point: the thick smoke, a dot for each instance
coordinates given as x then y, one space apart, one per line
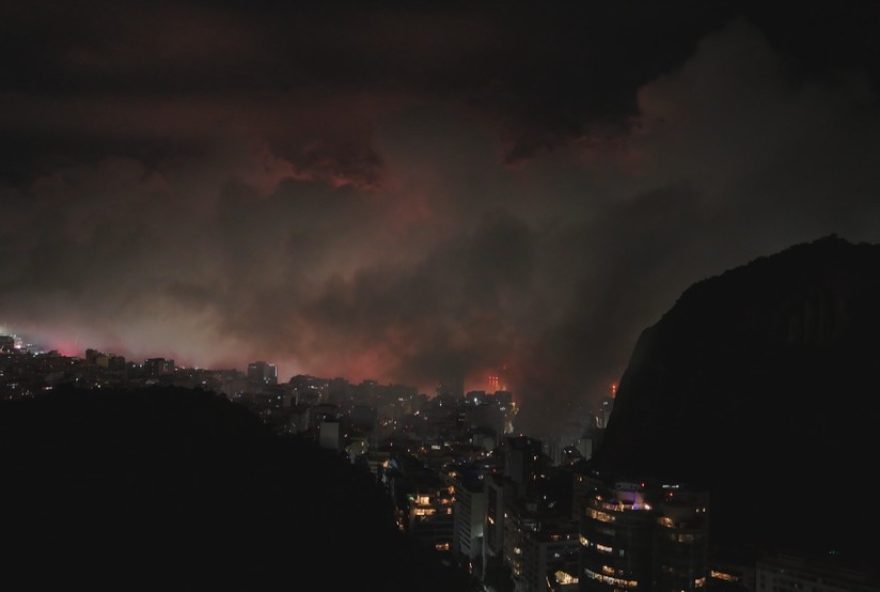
382 210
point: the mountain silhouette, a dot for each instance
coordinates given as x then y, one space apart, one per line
762 385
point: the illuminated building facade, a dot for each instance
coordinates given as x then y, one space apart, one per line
730 577
430 517
428 509
616 540
635 538
540 550
550 558
517 524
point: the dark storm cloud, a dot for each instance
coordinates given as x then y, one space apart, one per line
408 192
547 75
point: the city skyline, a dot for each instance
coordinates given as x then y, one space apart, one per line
492 381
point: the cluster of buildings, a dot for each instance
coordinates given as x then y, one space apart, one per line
519 514
25 373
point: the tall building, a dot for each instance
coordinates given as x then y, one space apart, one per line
518 521
521 456
616 540
550 558
469 517
633 537
495 382
499 492
681 543
540 545
486 416
7 344
92 356
262 374
430 512
536 547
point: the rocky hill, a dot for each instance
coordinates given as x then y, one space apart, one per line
763 384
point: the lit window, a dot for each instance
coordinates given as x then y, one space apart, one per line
611 581
600 516
724 577
564 578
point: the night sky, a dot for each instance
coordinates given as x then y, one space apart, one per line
408 192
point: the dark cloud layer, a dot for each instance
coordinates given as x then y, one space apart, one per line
406 192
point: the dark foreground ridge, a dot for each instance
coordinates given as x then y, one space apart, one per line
178 489
763 385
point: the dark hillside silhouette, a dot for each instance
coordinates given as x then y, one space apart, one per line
178 489
764 385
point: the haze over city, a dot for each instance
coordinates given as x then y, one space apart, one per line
411 193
